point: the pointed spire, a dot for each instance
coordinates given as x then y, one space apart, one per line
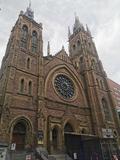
63 47
29 13
88 31
69 33
77 25
48 48
29 3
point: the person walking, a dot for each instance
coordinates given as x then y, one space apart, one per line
114 157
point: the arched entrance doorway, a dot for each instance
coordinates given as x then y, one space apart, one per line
55 138
68 128
20 134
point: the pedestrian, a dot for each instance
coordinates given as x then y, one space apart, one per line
114 157
94 156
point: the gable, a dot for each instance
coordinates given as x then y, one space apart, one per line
65 70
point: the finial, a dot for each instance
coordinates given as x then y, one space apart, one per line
48 48
29 3
77 25
69 33
63 47
29 13
88 31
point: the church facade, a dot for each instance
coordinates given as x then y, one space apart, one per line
62 102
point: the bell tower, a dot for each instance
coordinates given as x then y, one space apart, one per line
21 79
75 40
85 59
81 44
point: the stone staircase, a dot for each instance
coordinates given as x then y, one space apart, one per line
59 157
21 155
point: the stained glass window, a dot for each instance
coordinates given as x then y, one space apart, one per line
64 86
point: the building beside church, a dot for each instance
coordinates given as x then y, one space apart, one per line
62 102
115 88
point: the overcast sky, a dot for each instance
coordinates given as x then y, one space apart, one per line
102 17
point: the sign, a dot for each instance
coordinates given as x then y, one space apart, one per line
40 141
75 155
28 157
107 133
3 153
40 134
13 146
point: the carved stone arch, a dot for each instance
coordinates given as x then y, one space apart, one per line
28 62
34 38
56 126
21 129
24 24
25 27
56 137
106 109
70 124
78 43
34 31
93 62
74 47
73 76
83 131
22 85
24 36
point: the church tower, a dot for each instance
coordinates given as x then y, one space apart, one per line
87 63
61 102
20 80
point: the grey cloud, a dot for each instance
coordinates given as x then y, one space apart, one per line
102 16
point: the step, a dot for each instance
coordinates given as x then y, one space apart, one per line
19 156
59 157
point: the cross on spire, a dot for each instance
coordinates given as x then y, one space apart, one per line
48 48
29 3
29 13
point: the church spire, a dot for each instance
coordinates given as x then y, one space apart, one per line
88 31
63 47
69 33
77 25
48 48
29 13
29 3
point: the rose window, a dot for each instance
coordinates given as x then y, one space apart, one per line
64 86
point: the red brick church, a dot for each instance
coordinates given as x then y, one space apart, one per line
60 101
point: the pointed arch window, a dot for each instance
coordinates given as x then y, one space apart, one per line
81 59
106 109
30 87
34 41
101 84
89 44
97 81
68 128
78 43
22 85
74 47
93 64
24 36
28 63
